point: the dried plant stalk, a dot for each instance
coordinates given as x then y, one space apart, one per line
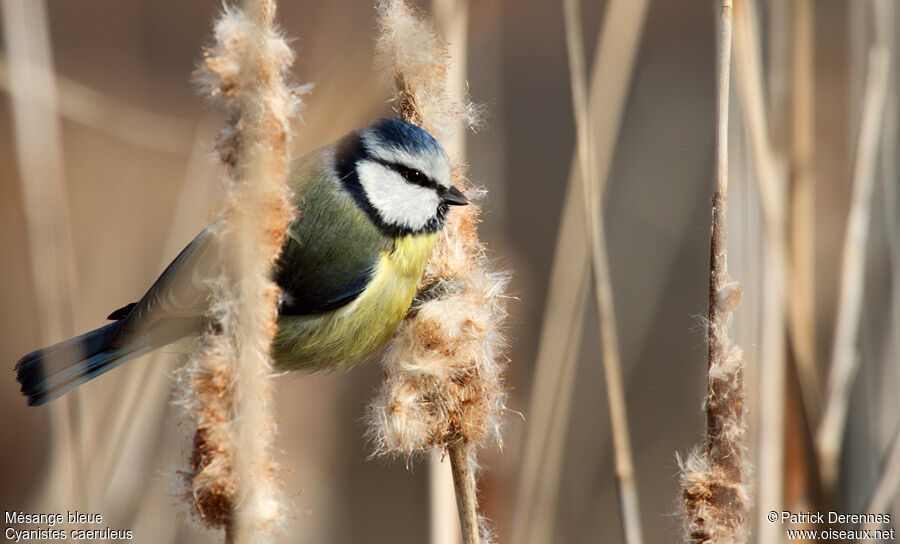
802 202
85 105
233 473
451 20
34 101
716 502
844 360
612 366
443 386
771 180
554 375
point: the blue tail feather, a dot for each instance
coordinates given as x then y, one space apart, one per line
47 373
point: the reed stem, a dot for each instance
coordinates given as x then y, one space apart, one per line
845 360
464 484
561 332
628 498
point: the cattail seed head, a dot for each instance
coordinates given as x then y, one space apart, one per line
444 366
233 478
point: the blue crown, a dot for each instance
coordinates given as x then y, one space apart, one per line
405 135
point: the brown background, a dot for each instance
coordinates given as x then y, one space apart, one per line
123 195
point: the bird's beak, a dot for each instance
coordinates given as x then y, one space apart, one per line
455 198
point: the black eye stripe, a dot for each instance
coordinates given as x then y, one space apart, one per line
416 177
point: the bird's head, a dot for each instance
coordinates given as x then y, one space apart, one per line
399 174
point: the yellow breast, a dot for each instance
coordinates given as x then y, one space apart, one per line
341 338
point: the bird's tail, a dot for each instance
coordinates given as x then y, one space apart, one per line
47 373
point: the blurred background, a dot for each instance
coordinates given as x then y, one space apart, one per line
104 144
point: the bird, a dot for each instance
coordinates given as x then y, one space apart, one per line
369 210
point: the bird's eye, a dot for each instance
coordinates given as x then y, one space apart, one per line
413 176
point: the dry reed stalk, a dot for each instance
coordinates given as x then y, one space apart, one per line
443 388
535 505
778 38
443 520
845 359
450 20
87 106
771 397
801 489
771 180
628 497
768 165
554 376
714 479
39 154
233 481
802 219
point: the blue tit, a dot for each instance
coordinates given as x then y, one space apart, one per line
370 208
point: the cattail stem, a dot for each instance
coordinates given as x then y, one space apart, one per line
451 18
260 225
719 410
718 261
464 484
713 481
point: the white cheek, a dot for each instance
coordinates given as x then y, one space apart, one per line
397 201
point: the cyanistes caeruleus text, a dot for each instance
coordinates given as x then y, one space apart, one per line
370 207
